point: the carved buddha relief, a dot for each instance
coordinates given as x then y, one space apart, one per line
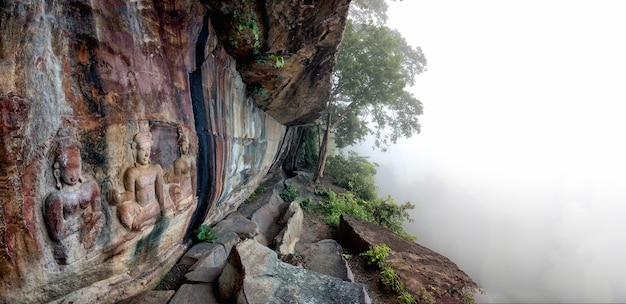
142 202
73 213
184 175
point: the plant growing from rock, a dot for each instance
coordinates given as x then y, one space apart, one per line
390 280
258 192
308 205
205 234
467 295
376 255
427 297
250 23
289 194
278 60
337 204
407 298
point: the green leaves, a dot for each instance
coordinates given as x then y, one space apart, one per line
280 60
376 255
257 192
391 281
354 173
205 233
374 66
289 194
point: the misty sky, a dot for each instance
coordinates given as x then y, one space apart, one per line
519 174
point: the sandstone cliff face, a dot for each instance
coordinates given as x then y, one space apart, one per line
126 123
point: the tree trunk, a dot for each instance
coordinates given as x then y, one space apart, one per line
323 152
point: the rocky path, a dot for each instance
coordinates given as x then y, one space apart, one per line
265 252
270 252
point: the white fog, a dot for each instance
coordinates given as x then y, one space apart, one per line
519 174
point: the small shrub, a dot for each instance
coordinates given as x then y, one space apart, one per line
390 280
427 297
307 205
381 211
389 214
376 255
258 192
407 298
337 204
289 194
354 173
206 234
467 295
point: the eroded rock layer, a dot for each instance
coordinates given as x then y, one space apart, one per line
124 124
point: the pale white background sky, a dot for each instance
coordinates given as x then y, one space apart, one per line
519 175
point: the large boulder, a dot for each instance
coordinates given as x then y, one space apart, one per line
418 267
254 274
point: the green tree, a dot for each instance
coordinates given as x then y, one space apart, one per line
353 173
374 66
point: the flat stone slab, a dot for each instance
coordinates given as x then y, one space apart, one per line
197 252
325 257
194 293
204 275
214 256
237 223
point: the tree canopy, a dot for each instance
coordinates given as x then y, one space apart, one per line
368 96
374 66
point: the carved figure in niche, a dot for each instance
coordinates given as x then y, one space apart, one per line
73 213
142 202
184 175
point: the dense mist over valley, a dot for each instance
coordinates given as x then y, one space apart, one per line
519 174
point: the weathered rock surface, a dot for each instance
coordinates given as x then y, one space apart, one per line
197 252
204 275
303 33
125 123
195 293
417 266
152 297
213 257
237 223
325 257
287 238
254 274
267 217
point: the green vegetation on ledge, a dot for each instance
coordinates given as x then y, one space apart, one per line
377 255
355 174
